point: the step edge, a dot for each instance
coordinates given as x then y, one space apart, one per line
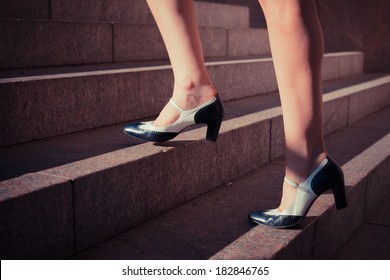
146 68
228 126
272 111
347 168
347 91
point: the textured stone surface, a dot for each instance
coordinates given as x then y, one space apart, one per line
38 156
369 243
372 216
268 103
54 105
278 142
335 114
144 42
28 43
243 42
378 184
366 173
319 236
91 176
119 190
138 42
37 218
117 183
336 227
376 120
135 11
302 246
67 43
345 27
344 24
338 65
22 9
242 78
51 107
227 16
214 42
360 140
259 243
363 103
120 198
199 228
58 106
131 11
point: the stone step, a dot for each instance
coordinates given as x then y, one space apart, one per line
130 11
65 194
215 225
37 43
58 101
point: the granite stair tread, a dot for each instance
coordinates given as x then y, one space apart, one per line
214 225
12 75
73 185
127 11
113 183
58 43
59 101
101 141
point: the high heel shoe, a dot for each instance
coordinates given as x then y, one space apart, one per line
210 113
327 176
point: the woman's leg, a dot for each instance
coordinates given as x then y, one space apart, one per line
178 27
297 49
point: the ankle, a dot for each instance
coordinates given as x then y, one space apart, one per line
190 95
299 168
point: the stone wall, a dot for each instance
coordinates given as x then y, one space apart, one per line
362 25
348 25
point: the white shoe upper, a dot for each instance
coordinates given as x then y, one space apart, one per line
186 118
304 198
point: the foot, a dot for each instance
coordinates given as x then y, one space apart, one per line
288 197
326 176
186 99
289 192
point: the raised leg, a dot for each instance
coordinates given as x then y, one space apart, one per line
178 27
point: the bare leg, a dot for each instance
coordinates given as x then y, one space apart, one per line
297 50
178 27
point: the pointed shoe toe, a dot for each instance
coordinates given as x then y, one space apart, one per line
264 217
132 129
257 217
141 130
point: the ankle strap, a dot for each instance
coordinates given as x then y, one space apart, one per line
297 185
321 157
176 106
291 183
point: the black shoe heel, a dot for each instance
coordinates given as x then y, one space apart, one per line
211 115
339 195
213 129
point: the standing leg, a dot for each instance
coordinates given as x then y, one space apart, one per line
297 50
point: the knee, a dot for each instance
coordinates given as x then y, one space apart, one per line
281 13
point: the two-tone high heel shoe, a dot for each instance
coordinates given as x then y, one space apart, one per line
210 113
327 176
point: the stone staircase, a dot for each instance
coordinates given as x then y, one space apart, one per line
74 186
